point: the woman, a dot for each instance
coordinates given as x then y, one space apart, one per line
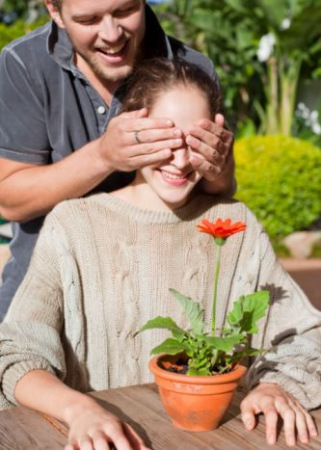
103 265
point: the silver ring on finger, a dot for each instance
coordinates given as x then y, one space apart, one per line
136 136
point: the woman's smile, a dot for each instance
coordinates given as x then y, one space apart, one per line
173 178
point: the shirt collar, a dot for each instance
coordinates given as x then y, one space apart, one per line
59 47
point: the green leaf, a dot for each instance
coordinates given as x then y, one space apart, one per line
169 346
198 372
192 310
235 316
248 310
257 304
254 351
225 344
164 322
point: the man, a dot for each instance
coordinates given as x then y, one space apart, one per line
60 91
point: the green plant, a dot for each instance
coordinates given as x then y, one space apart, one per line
10 32
306 124
279 178
212 354
260 48
294 28
19 7
22 8
223 31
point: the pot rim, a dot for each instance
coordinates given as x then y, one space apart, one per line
236 373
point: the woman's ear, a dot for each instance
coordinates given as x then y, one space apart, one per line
55 13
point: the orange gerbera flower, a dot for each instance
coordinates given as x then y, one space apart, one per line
221 229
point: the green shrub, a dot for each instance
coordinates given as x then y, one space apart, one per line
279 178
10 32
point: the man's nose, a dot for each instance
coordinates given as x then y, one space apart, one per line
110 30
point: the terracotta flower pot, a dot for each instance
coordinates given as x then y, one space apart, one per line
195 403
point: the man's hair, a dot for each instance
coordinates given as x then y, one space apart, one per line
56 3
153 77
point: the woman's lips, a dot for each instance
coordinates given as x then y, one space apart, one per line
173 178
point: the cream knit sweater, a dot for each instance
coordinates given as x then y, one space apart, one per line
102 268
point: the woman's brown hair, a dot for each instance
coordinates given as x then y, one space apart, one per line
155 76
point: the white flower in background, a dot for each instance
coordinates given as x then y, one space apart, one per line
266 46
310 118
314 116
303 111
286 23
316 128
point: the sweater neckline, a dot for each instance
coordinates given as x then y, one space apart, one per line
192 210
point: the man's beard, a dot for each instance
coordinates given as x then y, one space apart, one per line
111 75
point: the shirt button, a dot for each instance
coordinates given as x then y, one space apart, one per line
101 109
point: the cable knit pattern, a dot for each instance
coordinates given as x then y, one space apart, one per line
102 267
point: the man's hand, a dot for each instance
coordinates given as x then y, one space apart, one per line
211 146
271 400
94 428
133 141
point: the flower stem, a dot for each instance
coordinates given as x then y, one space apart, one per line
217 272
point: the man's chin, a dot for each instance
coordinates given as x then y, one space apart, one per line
113 75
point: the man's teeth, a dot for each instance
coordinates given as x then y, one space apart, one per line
112 51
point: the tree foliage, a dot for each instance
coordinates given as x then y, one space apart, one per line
230 33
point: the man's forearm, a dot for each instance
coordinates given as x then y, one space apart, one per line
28 191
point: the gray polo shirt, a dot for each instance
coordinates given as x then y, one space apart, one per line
48 110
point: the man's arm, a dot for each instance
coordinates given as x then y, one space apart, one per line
28 191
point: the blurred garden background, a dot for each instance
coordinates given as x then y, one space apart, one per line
268 57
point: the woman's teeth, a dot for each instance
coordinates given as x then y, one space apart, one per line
173 176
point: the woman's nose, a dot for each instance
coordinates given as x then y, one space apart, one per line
181 158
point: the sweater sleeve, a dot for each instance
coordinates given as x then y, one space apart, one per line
30 333
291 333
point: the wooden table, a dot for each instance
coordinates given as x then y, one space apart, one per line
140 406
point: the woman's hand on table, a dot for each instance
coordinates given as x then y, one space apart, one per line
272 401
91 427
94 428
